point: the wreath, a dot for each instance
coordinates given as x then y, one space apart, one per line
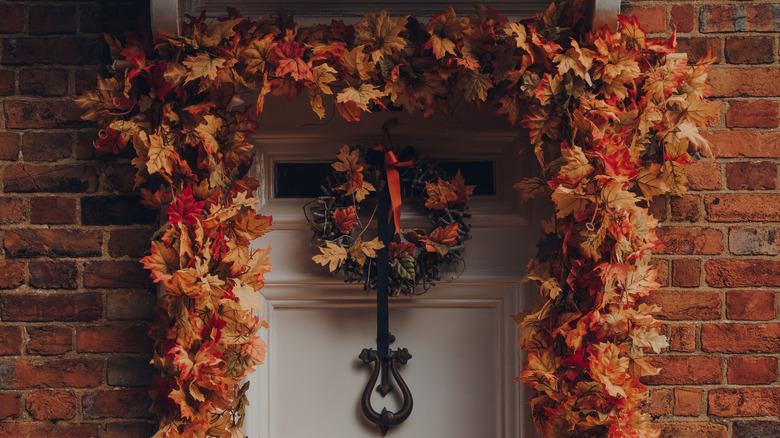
342 218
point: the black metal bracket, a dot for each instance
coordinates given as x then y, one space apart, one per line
386 366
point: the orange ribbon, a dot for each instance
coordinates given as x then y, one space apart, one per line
394 182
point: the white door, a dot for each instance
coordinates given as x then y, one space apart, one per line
460 333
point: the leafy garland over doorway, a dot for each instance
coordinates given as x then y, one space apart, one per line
612 120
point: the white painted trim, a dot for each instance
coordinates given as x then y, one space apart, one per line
166 16
605 13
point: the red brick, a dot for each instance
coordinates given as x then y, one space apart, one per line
717 19
54 373
129 430
749 50
53 275
698 48
52 113
744 144
753 241
703 175
740 338
742 273
10 407
657 207
116 210
52 210
760 18
751 176
52 243
9 143
131 242
11 274
744 402
129 371
36 178
653 19
752 114
113 339
11 19
686 272
52 405
48 430
55 50
751 370
12 211
45 20
685 208
43 82
682 338
685 370
687 402
49 340
119 178
118 17
11 344
119 274
676 305
754 305
47 146
120 403
662 266
756 429
693 430
690 240
658 403
126 305
86 80
682 18
748 82
52 307
7 81
739 207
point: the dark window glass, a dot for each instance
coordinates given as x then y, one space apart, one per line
303 180
300 180
475 173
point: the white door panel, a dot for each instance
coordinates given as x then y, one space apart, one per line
461 373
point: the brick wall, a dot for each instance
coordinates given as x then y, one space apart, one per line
720 267
74 302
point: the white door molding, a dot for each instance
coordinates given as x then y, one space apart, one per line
167 14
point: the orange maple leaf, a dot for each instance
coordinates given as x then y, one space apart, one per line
441 239
345 219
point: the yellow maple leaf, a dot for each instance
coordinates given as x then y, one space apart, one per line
333 255
649 181
257 53
649 337
323 75
160 154
361 96
247 297
380 33
616 197
360 250
202 66
475 86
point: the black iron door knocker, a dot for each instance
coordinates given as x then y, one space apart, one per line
385 361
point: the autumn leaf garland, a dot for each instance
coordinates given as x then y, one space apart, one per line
613 120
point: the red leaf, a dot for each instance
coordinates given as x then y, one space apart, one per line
184 209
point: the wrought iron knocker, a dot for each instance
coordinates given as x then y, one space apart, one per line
386 419
385 361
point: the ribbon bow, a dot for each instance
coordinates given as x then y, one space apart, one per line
394 181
